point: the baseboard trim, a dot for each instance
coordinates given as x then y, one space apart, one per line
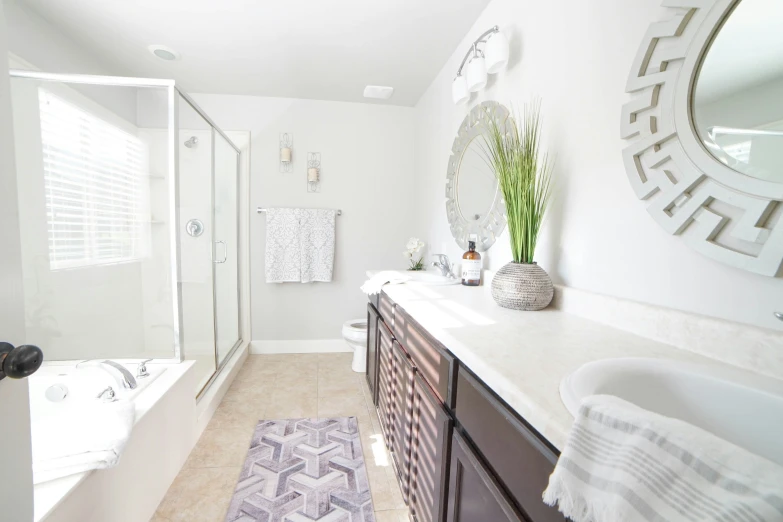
299 346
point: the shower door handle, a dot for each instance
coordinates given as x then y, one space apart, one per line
225 251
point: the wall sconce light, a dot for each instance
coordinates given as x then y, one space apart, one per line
492 59
286 152
313 172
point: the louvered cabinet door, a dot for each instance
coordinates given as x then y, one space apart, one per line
385 380
430 431
402 393
373 321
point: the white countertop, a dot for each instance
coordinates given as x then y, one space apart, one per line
522 356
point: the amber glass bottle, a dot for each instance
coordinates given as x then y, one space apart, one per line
471 266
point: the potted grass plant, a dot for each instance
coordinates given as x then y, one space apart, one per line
524 174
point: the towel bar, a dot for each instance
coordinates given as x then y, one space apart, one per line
261 209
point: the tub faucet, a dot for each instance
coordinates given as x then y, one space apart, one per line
444 265
124 379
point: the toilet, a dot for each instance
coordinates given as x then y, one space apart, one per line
355 334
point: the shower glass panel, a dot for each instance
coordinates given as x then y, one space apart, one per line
128 198
197 251
95 205
226 240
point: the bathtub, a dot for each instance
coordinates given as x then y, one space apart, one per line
161 439
84 383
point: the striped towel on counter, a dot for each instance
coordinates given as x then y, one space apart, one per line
623 463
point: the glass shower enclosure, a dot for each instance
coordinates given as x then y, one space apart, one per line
129 215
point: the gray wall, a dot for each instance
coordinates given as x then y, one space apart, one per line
367 171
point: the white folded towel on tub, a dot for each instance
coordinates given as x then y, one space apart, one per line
623 463
81 437
299 245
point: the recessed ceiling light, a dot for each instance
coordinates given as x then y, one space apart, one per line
378 91
164 53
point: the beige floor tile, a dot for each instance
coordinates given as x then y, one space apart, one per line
339 360
257 391
199 495
220 448
332 385
159 518
393 515
237 415
291 407
342 406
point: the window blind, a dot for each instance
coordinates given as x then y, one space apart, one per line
96 186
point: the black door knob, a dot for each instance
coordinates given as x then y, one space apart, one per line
19 362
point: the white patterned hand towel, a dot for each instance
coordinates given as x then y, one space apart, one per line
299 245
376 282
316 235
623 463
80 438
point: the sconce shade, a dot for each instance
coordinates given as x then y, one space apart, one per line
496 53
459 90
477 74
312 174
285 154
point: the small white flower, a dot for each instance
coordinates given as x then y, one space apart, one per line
407 254
413 243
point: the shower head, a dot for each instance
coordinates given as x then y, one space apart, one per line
192 142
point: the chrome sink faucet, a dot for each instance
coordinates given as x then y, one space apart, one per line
120 373
444 265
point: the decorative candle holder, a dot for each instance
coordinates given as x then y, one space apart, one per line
313 172
286 152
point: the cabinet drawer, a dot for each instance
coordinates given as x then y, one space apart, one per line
520 459
432 360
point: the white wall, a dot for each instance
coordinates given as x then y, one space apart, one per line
48 49
367 171
576 56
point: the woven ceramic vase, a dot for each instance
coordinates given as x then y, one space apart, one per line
522 286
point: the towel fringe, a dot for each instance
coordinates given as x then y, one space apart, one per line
578 508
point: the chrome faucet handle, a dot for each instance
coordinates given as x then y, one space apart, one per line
141 370
108 394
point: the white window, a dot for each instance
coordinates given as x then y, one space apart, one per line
96 183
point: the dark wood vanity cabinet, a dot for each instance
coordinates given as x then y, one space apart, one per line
460 453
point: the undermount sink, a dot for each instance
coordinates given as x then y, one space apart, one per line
428 277
424 277
736 405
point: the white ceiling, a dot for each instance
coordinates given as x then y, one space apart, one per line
747 51
327 50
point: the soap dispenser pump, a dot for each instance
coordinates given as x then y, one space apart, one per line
471 266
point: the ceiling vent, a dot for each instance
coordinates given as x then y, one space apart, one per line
378 91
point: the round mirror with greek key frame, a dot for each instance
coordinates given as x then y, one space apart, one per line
705 129
474 203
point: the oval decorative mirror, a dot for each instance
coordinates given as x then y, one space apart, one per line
706 129
474 204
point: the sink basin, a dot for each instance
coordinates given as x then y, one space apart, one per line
736 405
427 277
424 277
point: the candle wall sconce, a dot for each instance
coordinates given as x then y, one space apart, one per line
313 172
286 152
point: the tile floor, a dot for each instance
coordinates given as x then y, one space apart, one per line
278 387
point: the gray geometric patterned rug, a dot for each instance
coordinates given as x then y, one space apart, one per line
298 470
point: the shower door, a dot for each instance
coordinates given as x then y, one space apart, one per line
226 246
